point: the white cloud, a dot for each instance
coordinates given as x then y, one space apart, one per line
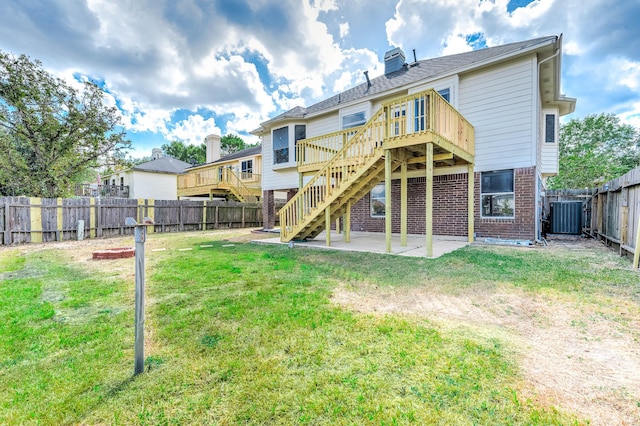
344 29
193 130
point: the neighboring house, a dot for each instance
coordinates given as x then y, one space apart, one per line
155 179
394 154
235 176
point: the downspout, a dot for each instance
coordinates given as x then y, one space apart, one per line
538 219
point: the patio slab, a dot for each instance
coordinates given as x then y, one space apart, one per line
374 242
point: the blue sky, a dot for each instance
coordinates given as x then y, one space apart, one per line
181 69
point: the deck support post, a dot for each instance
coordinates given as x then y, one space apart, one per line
428 226
403 203
387 198
347 223
327 225
470 203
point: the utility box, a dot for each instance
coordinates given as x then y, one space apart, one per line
566 217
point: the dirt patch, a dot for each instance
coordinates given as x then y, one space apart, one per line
580 357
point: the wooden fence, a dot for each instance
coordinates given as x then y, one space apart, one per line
613 212
25 219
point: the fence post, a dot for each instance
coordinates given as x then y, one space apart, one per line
204 215
35 213
7 223
59 219
636 251
94 217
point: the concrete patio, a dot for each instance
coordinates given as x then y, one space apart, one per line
374 242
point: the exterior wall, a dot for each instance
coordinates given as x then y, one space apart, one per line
523 225
500 103
328 123
280 176
450 208
159 186
549 152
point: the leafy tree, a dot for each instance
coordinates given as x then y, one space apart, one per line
594 150
193 154
197 154
50 133
231 143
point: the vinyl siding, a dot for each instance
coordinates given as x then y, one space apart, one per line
159 186
500 103
283 178
322 125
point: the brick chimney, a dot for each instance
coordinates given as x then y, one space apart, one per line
212 142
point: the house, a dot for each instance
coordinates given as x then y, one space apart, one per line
459 145
155 179
236 176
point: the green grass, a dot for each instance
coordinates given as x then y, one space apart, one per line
246 334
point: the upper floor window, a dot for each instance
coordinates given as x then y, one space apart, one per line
281 145
247 168
446 94
353 120
550 128
300 132
497 194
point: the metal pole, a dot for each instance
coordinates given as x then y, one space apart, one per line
140 234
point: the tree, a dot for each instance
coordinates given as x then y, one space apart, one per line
193 154
231 143
594 150
50 133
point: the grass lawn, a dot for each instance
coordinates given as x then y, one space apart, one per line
247 334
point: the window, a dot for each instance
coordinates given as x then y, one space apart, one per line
247 169
281 145
446 94
550 128
497 193
377 197
300 132
353 120
121 182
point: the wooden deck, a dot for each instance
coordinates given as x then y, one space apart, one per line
219 181
414 132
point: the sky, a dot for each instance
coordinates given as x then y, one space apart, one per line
183 69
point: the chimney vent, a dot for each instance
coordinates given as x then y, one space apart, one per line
156 153
393 60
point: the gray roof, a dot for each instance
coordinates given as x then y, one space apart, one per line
425 69
163 165
247 152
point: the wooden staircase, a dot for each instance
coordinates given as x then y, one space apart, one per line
359 165
239 190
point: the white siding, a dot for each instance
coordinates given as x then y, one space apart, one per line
282 178
159 186
501 104
322 125
548 151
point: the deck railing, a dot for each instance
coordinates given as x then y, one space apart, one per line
220 178
95 190
410 115
312 153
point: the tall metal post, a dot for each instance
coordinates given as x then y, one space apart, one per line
140 234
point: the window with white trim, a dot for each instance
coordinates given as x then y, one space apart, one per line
353 120
281 145
550 128
377 201
497 194
446 94
247 169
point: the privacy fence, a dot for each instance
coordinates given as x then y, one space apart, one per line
613 212
27 219
610 213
